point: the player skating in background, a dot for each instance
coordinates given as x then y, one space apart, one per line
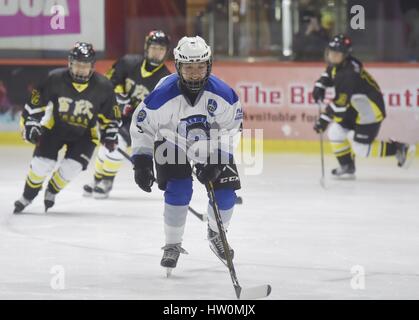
74 107
133 78
356 112
186 106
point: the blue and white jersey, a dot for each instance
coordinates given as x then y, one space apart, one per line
216 117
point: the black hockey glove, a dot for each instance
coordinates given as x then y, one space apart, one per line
210 171
322 123
110 138
318 93
33 130
143 172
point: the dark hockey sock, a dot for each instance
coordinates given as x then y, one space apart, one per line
57 183
30 192
33 185
388 149
383 149
52 188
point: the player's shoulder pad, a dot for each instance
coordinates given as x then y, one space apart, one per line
222 89
167 90
54 76
58 72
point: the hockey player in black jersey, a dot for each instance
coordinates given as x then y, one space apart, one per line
75 107
133 78
356 113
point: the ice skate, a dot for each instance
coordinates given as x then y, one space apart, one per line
217 247
49 199
88 188
21 204
405 154
171 256
102 189
345 172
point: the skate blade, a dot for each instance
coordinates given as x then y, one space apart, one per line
48 205
87 194
169 272
344 177
100 196
17 211
411 152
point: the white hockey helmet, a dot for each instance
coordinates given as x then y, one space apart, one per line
193 50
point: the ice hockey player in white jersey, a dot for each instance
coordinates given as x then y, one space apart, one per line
190 116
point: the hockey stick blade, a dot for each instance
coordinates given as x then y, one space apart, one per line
239 200
201 216
254 292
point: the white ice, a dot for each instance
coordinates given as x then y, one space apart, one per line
289 232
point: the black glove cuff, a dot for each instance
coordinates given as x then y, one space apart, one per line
142 161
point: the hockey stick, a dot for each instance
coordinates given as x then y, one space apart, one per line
201 216
241 293
322 178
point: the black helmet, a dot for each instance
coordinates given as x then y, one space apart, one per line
341 43
156 37
81 52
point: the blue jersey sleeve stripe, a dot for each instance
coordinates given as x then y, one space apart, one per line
221 89
165 92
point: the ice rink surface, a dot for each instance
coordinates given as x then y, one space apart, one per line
308 243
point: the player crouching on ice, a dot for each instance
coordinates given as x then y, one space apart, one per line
175 120
356 112
65 111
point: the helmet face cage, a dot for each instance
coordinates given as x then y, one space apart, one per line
82 52
156 37
193 50
194 85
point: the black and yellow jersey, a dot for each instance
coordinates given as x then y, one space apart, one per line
355 90
70 110
134 78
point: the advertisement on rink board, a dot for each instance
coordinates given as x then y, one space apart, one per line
276 97
51 24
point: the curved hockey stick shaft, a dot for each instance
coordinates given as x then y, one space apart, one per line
241 293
